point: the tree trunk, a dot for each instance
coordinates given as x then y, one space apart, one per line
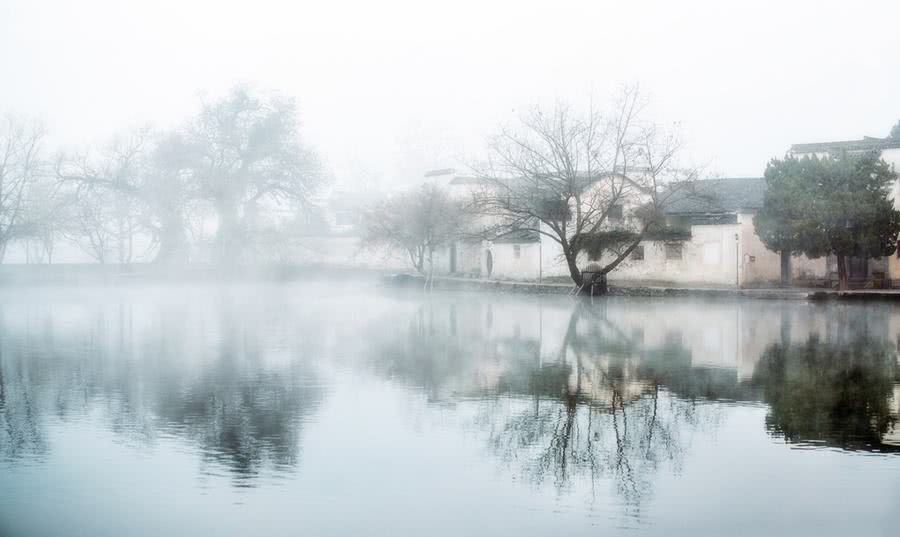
598 286
172 243
843 276
785 268
786 323
572 262
228 234
429 280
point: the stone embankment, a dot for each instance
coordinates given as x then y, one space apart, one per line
508 286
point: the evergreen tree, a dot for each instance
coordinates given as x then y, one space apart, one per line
839 206
782 224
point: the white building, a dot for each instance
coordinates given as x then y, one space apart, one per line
717 246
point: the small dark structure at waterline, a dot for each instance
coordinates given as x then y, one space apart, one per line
593 281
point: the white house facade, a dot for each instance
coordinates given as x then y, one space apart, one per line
717 247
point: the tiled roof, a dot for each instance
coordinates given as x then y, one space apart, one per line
866 144
438 173
519 236
524 183
463 180
717 196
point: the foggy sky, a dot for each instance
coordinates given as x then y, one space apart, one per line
389 89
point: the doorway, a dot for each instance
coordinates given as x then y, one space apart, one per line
858 268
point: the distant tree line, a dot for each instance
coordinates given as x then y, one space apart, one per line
151 194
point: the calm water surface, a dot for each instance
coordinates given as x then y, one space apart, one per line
325 410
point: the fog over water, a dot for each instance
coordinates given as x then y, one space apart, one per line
222 224
300 408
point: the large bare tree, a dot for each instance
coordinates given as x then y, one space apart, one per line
139 177
244 152
591 182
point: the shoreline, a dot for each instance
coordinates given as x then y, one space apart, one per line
89 274
446 283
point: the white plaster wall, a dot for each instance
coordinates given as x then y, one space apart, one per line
553 264
759 265
713 256
507 266
709 258
468 258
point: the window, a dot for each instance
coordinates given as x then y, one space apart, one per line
637 254
674 250
517 251
615 212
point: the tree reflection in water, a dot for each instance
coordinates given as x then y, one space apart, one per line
602 410
607 405
833 393
599 407
222 389
596 395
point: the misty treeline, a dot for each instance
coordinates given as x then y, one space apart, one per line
238 166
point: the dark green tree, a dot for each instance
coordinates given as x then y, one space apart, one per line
832 392
838 206
782 224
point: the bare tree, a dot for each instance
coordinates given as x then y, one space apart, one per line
141 174
21 165
92 224
417 222
245 151
590 182
45 218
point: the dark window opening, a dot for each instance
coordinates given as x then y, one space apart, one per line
615 212
674 250
555 210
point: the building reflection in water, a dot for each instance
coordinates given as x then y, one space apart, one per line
563 392
613 391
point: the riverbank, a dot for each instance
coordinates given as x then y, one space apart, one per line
656 290
141 273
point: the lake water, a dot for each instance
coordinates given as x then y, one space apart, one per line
322 409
